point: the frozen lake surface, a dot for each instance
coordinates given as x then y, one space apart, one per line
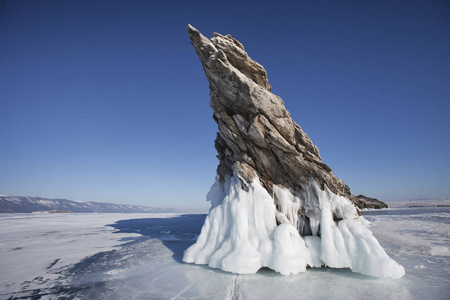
126 256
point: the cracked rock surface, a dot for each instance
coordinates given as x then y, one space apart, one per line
256 132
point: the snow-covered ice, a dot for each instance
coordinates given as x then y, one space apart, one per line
138 256
31 244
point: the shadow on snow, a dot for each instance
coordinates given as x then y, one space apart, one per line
176 233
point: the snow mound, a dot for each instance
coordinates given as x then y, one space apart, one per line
245 230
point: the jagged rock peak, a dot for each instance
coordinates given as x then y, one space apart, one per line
256 132
232 51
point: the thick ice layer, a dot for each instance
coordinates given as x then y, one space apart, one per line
315 228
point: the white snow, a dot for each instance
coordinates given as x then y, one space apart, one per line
149 267
31 243
428 233
440 251
241 235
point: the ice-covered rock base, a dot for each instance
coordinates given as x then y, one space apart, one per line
247 229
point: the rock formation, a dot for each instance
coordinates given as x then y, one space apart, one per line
256 130
274 203
371 203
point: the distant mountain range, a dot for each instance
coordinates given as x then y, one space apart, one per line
441 202
25 204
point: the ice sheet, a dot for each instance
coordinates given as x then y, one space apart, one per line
148 266
31 244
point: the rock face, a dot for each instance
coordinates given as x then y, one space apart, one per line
256 131
371 203
274 203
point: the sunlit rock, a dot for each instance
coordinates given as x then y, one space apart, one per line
372 203
274 203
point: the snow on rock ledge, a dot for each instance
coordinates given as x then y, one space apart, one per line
241 234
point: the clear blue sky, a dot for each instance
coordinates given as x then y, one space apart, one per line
107 100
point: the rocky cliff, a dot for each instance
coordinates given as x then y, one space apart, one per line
274 202
256 132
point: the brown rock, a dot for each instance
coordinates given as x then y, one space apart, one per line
371 203
256 131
